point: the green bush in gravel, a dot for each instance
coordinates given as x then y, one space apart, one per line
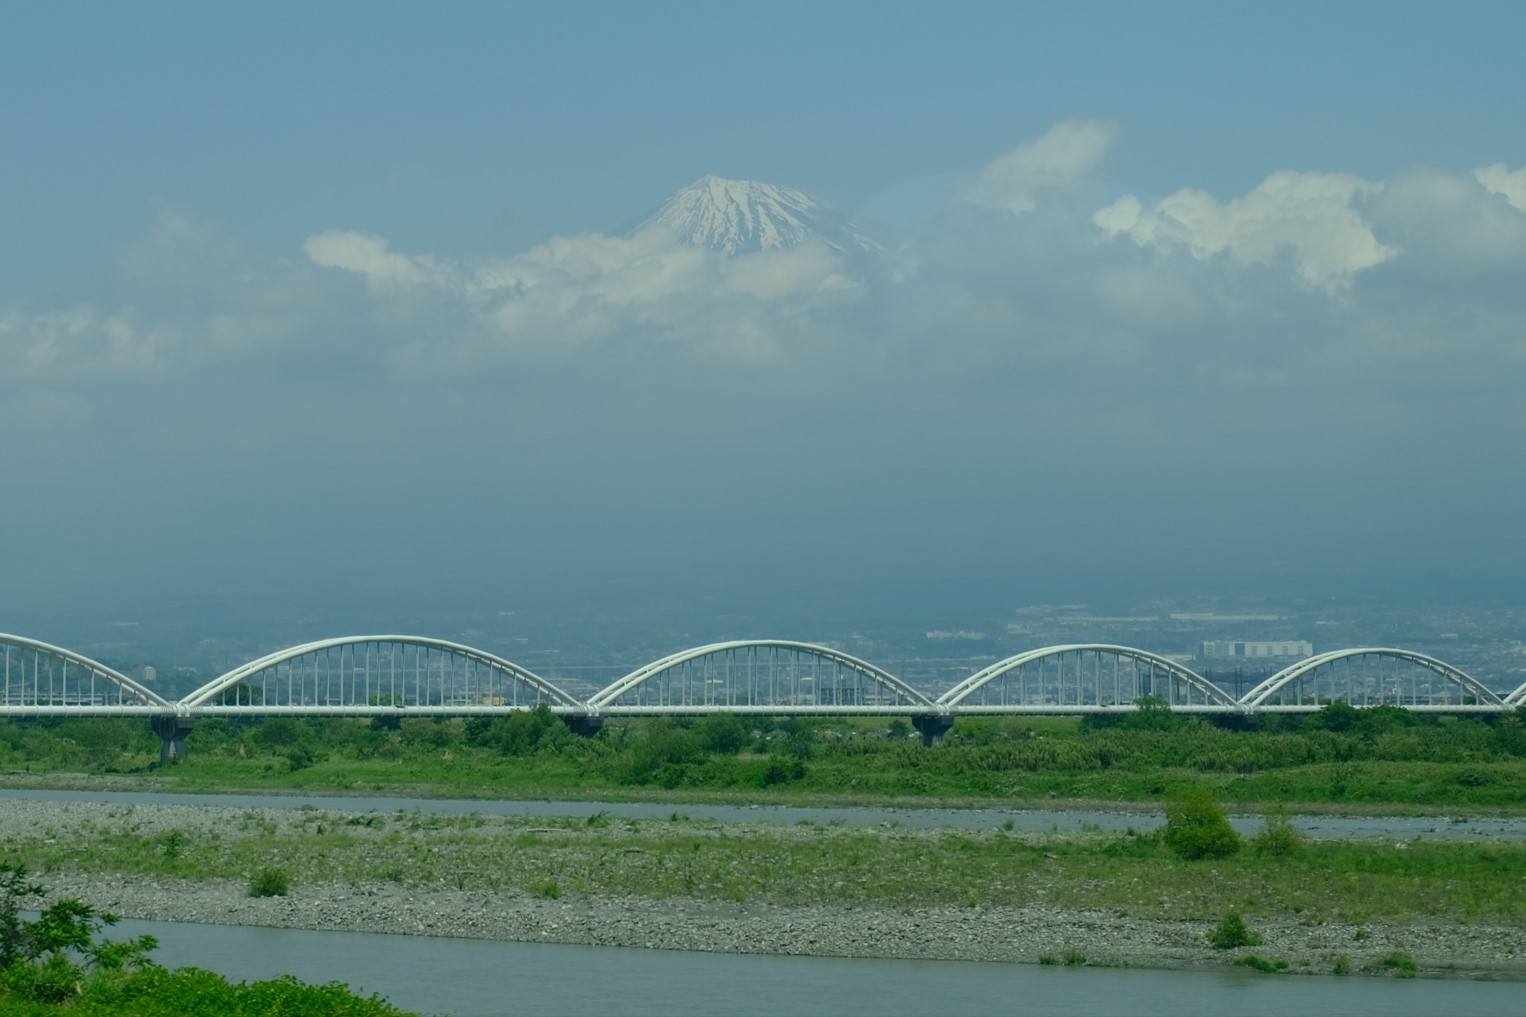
269 882
1231 932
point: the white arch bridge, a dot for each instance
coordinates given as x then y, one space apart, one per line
401 675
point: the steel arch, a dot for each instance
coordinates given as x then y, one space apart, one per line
146 696
1517 698
954 696
606 697
241 673
1258 696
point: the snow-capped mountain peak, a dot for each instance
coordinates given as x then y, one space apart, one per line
743 216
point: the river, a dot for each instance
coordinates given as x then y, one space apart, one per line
485 979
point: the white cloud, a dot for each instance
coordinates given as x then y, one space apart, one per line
77 344
1448 223
1066 155
570 292
1310 217
1500 180
368 255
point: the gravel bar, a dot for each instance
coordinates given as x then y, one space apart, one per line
1020 934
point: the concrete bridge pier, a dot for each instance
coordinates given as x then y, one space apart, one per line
932 727
583 724
171 731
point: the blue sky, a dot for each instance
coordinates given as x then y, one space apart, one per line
1180 281
480 127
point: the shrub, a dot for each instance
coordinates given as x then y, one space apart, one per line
550 891
1231 932
1280 838
1073 958
1401 964
269 882
1196 827
1250 960
723 733
1151 713
1342 965
782 771
56 964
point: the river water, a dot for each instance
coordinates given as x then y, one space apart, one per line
1064 820
485 979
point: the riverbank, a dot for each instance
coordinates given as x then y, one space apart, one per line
1350 759
1027 934
814 889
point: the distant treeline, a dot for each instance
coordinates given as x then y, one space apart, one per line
1381 754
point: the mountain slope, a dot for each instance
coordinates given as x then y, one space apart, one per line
745 216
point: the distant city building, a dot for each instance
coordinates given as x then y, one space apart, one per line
150 674
1220 648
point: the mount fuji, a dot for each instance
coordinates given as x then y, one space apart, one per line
747 216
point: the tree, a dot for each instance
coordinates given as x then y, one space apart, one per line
1196 827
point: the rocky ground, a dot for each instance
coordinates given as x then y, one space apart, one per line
1022 934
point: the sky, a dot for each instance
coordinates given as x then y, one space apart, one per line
320 304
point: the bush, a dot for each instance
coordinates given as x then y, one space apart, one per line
1231 932
1280 838
269 882
1196 827
56 965
299 757
1401 964
1250 960
725 734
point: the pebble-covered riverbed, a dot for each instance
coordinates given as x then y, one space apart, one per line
941 931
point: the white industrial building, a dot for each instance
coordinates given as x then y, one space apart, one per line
1220 648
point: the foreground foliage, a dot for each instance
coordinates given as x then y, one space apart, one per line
57 964
1339 755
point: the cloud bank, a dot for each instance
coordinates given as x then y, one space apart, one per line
1015 261
1042 374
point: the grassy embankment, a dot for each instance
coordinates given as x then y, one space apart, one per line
1134 874
1339 757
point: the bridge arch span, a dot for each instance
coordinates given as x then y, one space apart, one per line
754 675
1294 674
49 687
376 674
1096 685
